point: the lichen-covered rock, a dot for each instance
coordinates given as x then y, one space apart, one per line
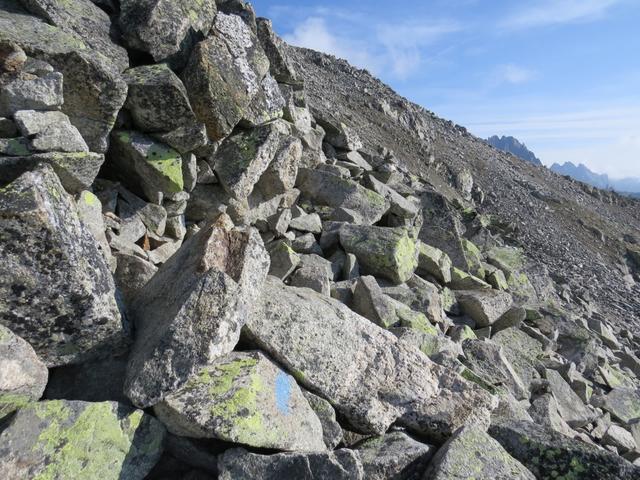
331 430
94 92
192 310
550 455
56 290
522 351
394 456
245 156
370 302
223 75
367 375
243 398
434 262
49 132
283 260
59 439
390 253
159 104
164 28
23 377
484 307
471 453
323 188
141 161
266 106
281 67
238 464
464 281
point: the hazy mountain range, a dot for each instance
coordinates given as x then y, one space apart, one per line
579 172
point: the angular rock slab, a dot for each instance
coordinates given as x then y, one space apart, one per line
61 439
326 189
549 454
166 29
364 371
243 398
331 429
484 307
238 464
192 310
623 403
390 253
56 290
23 377
472 453
570 407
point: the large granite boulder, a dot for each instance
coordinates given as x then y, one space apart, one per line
165 29
243 398
370 377
23 377
238 464
56 290
60 439
192 310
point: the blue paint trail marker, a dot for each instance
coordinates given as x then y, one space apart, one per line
283 392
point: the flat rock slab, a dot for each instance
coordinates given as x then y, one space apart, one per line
59 440
192 310
484 307
238 464
243 398
551 455
23 377
623 403
570 407
364 371
56 290
472 453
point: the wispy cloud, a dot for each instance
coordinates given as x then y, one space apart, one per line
513 74
552 12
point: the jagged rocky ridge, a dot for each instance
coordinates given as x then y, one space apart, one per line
227 258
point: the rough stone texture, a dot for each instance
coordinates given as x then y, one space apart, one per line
280 176
370 302
331 430
390 253
94 92
369 377
56 290
570 407
243 398
23 377
245 156
484 307
522 351
165 29
141 161
280 66
192 310
323 188
471 453
238 464
49 132
61 439
550 455
266 106
223 75
623 403
283 260
434 262
394 456
41 90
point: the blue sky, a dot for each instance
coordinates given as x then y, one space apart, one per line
561 75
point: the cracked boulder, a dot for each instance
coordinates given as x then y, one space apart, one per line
243 398
23 377
56 290
62 439
370 377
192 310
384 252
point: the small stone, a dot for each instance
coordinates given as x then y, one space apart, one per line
314 272
464 281
50 131
284 260
434 262
31 92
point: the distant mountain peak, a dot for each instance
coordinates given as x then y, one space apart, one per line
514 146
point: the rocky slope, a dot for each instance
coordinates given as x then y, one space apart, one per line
514 146
227 258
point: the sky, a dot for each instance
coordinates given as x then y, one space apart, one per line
563 76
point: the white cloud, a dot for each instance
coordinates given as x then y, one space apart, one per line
553 12
513 74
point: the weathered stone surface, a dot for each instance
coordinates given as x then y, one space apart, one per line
370 302
484 307
400 206
223 75
31 92
12 57
283 260
94 92
280 176
471 453
463 281
307 223
192 310
420 295
331 430
141 161
49 131
622 403
266 106
56 290
340 135
245 156
165 29
61 439
390 253
323 188
619 438
570 407
238 464
369 377
314 272
243 398
550 455
23 376
522 351
394 456
281 67
434 262
132 273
